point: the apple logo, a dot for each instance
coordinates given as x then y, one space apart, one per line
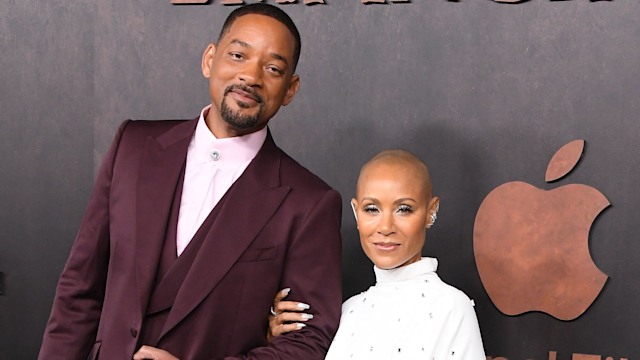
532 246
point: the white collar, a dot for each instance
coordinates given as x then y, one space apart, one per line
424 266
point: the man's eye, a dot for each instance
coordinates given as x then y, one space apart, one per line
275 70
405 209
236 56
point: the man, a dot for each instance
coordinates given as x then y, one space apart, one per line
194 225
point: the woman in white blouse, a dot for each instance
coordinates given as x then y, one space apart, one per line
409 313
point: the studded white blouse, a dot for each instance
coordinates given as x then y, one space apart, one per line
408 314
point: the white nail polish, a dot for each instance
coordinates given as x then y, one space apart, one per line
307 316
286 290
303 306
300 325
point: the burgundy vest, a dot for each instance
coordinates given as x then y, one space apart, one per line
172 270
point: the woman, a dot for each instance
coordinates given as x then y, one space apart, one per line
409 313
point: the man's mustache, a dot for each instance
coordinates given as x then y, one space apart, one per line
244 88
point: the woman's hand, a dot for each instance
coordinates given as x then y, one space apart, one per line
148 352
286 316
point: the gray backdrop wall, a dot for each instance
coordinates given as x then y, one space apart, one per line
484 92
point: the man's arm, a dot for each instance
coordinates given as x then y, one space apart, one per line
73 323
313 272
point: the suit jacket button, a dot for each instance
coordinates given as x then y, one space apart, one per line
134 332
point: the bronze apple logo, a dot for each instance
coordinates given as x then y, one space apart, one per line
531 245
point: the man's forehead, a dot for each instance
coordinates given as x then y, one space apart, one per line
251 22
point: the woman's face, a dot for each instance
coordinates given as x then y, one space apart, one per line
393 210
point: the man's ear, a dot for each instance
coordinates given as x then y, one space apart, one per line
294 86
207 60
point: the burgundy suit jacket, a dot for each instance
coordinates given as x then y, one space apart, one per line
279 227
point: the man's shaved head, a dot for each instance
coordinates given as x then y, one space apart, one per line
401 160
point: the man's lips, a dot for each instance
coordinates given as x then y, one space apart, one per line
243 94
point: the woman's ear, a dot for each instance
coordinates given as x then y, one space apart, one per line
432 214
354 204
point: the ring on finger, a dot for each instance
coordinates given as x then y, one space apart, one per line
272 312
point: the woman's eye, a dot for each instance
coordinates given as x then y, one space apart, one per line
370 209
405 209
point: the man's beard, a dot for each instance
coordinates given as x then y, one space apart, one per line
237 119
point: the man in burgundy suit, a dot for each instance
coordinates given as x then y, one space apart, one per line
194 225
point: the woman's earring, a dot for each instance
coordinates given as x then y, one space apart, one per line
434 215
353 207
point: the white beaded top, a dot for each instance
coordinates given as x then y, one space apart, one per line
409 314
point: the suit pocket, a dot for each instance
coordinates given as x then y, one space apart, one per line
95 351
264 254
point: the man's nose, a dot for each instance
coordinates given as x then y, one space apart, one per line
251 74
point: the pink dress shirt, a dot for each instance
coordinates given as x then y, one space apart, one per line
213 165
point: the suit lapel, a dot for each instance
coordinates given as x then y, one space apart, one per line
237 224
161 163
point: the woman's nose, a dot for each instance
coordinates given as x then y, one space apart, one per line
386 226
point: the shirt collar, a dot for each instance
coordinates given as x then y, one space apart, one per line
423 266
231 151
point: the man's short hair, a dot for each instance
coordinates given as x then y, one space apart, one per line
270 11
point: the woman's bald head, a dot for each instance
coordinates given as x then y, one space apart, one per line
403 161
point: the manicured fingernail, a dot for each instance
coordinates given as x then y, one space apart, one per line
286 290
303 306
300 325
307 316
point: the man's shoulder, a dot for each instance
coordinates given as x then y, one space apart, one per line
296 175
150 127
132 133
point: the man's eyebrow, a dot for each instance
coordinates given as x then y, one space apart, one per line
279 57
273 55
240 42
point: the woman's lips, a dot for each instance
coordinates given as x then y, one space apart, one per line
386 246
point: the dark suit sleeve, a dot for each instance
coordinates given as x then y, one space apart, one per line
73 323
312 271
